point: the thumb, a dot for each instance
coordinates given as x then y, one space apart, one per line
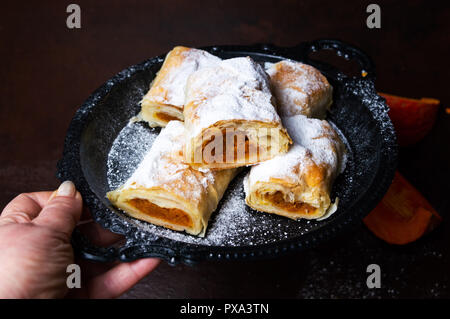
63 211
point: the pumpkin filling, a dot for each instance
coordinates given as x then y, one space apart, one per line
277 199
171 215
238 154
165 117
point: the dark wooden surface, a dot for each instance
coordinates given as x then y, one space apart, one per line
47 71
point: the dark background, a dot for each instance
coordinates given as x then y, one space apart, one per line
48 70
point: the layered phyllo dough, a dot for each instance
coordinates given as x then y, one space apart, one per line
165 99
299 89
298 184
167 192
236 113
230 116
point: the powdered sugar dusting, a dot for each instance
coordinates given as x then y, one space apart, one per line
319 137
299 89
162 167
314 140
132 143
171 88
232 224
281 166
234 89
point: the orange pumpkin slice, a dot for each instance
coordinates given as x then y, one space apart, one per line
403 215
412 118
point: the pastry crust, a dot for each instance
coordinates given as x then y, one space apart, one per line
299 89
298 184
165 99
230 116
166 192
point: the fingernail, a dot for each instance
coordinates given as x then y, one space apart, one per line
67 188
53 195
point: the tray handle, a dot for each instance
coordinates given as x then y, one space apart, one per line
84 248
343 49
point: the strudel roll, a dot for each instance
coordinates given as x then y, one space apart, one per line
299 89
230 117
298 184
166 192
165 99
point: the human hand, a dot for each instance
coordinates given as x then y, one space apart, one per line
35 250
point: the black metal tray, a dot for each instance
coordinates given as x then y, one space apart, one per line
358 112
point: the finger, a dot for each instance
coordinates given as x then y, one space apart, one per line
98 235
92 269
25 207
121 278
63 211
